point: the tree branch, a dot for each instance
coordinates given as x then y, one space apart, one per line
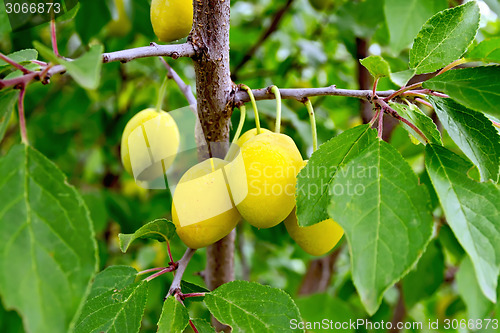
171 50
175 287
185 89
174 51
300 94
272 28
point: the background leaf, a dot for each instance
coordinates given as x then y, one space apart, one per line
471 210
252 307
316 307
174 317
162 230
473 133
445 37
313 181
47 246
377 200
487 51
422 282
477 88
405 18
478 306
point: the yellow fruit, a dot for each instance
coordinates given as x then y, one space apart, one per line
234 149
171 19
150 142
316 239
202 209
265 193
120 25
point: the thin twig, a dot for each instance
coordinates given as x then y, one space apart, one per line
374 90
53 36
175 287
163 271
375 116
402 90
424 102
395 114
496 124
151 270
170 50
170 254
15 64
185 89
22 118
380 125
272 28
300 94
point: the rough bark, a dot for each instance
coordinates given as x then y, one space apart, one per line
210 37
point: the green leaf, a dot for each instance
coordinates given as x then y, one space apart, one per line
174 317
252 307
203 326
471 209
316 307
376 198
46 53
402 78
473 133
405 18
48 252
162 230
377 66
86 70
419 119
314 179
188 287
7 102
118 310
477 88
486 51
478 306
20 57
424 281
445 37
113 277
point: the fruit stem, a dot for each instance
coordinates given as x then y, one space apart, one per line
161 94
254 105
312 119
243 112
452 65
277 93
